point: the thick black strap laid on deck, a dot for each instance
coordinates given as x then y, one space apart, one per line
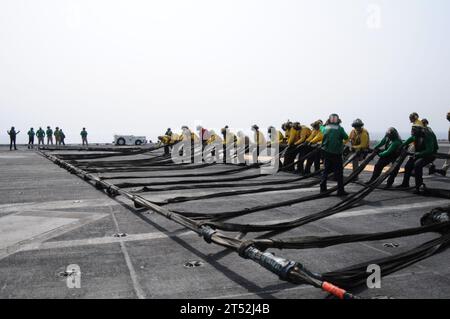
189 181
345 204
357 275
226 172
241 212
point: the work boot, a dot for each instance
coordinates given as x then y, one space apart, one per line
402 185
442 172
342 193
418 191
431 170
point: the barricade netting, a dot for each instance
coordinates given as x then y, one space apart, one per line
99 166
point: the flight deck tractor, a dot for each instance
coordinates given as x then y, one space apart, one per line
122 140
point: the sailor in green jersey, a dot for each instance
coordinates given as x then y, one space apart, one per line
332 146
446 166
49 133
12 137
425 123
428 129
57 136
62 137
40 135
31 135
425 151
392 145
447 161
84 135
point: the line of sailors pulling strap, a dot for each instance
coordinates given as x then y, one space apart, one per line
299 140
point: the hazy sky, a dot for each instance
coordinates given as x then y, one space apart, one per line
138 67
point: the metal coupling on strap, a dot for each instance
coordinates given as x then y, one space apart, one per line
99 185
441 217
277 265
111 191
206 233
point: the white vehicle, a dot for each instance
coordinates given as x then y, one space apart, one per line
129 140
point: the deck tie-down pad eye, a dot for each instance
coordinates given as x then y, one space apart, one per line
120 235
193 264
391 245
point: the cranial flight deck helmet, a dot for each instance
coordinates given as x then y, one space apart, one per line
334 119
224 129
316 124
413 116
392 133
357 123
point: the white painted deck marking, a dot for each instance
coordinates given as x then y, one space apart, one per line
102 240
11 156
15 228
136 285
54 205
31 228
159 235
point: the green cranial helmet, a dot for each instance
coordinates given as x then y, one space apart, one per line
392 133
334 119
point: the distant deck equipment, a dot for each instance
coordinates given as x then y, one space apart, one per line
129 140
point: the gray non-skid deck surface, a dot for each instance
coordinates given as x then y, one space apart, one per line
58 220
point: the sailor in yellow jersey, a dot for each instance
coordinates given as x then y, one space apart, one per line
275 136
293 134
190 137
359 140
165 140
259 139
286 127
302 149
242 139
414 119
214 140
314 141
229 141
